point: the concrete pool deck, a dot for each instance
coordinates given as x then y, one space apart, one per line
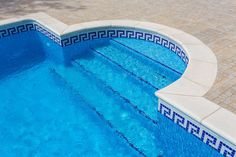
210 21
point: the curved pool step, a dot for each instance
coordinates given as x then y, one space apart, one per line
132 127
118 44
121 81
134 106
156 75
124 69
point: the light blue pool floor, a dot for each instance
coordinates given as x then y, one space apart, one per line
101 105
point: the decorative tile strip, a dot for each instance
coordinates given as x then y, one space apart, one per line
32 26
197 130
16 30
96 34
125 33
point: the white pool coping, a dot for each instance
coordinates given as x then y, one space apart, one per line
187 93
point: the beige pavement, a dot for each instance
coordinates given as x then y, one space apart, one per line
212 21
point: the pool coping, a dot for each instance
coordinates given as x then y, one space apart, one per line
186 94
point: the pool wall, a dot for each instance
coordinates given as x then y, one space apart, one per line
182 101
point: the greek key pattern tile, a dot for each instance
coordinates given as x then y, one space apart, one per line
108 33
202 134
125 33
16 29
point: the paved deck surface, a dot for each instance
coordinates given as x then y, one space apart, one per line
212 21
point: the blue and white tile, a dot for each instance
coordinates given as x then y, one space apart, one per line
198 130
223 122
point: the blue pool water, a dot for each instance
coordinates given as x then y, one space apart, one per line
101 103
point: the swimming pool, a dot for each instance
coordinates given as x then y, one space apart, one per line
94 97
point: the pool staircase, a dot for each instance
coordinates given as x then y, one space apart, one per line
115 87
114 110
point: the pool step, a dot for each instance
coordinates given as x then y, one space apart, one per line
107 125
156 75
119 44
125 84
149 51
134 106
114 111
124 69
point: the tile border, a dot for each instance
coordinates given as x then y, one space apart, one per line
219 135
125 32
197 129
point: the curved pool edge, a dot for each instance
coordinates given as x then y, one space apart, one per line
182 101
